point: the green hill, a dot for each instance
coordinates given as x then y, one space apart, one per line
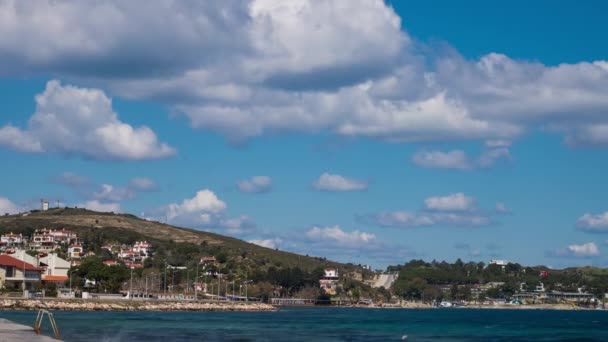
265 270
173 243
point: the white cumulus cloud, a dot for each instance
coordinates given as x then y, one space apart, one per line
205 210
407 219
335 235
585 250
250 68
96 205
111 193
255 184
268 243
455 159
196 209
494 151
334 182
71 120
452 202
455 209
597 223
8 207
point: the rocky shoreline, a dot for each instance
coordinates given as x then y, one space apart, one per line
560 306
104 305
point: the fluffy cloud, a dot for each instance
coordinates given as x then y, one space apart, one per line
451 210
593 223
8 207
143 184
205 210
96 205
406 219
332 182
197 209
455 159
335 235
112 193
268 243
453 202
586 250
494 151
248 68
72 120
255 184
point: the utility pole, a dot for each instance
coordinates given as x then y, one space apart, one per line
196 281
188 281
131 286
165 280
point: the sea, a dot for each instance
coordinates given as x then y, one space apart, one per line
329 324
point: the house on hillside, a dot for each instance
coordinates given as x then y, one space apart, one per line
329 282
63 236
43 241
144 248
12 240
75 251
55 268
18 274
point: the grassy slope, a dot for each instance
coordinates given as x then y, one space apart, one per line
89 223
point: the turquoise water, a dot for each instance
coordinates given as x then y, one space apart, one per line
330 324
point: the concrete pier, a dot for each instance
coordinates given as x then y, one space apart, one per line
11 331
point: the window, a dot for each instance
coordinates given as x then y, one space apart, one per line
10 271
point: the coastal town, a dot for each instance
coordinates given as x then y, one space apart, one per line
58 264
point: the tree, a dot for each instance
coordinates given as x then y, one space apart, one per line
107 278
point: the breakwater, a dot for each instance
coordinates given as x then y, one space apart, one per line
127 305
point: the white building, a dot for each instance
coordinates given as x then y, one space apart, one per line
144 248
17 274
498 262
11 240
42 241
23 256
56 268
331 272
75 251
329 282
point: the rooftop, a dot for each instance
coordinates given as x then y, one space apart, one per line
7 260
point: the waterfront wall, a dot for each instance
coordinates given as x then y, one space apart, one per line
126 305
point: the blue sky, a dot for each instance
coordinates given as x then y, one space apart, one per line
363 131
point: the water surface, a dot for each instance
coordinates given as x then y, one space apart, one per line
330 324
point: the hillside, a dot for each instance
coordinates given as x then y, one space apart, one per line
96 228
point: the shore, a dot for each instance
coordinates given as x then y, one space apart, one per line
561 306
126 305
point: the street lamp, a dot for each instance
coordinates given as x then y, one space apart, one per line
196 281
149 275
131 286
246 294
165 280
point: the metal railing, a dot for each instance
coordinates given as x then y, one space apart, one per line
40 318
